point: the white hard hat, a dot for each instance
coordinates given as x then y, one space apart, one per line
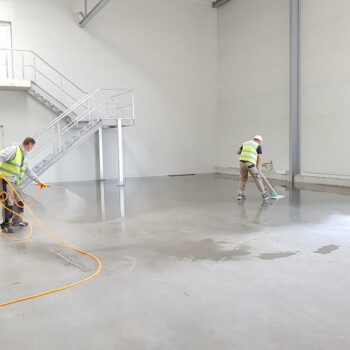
258 137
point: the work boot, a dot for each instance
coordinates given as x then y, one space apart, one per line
20 223
266 196
7 228
241 196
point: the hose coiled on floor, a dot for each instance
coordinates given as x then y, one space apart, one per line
14 194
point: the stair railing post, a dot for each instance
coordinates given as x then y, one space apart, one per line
53 138
98 103
59 137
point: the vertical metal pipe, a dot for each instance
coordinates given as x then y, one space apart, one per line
294 89
120 153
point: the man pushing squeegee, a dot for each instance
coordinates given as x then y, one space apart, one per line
250 160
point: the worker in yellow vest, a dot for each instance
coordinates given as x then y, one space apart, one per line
13 166
250 161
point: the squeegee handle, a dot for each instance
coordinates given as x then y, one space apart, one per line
265 179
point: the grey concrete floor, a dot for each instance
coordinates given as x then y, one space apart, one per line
184 267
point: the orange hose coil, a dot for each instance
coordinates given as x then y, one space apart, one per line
15 195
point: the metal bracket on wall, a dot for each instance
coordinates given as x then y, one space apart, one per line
88 16
219 3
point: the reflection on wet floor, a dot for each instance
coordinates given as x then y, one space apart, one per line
100 201
261 209
194 217
183 246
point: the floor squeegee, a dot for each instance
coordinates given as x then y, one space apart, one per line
274 195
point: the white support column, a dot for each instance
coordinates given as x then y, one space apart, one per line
100 152
122 202
102 198
120 153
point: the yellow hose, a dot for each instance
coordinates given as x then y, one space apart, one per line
15 195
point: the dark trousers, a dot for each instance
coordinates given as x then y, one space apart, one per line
10 203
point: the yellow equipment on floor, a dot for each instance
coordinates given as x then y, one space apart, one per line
15 196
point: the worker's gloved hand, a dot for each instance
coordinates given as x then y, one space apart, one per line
43 185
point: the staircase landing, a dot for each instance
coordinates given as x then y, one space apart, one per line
15 84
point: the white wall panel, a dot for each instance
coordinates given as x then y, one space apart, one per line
165 49
253 51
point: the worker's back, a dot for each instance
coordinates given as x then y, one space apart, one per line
249 152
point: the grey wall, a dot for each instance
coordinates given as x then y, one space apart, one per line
253 51
325 87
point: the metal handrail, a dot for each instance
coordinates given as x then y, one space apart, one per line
52 82
73 107
65 113
112 97
62 132
122 93
48 64
126 105
109 108
51 96
94 111
77 120
42 74
116 118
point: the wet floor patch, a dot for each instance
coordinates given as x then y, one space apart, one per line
279 255
327 249
206 249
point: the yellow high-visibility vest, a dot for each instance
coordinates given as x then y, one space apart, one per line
14 168
249 152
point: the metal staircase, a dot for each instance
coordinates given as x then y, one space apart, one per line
47 100
71 143
79 114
